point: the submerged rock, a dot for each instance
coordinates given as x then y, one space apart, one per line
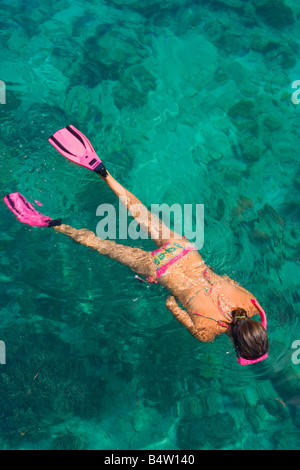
249 90
287 439
274 13
252 149
211 431
235 4
238 72
112 52
258 42
213 29
280 55
135 84
268 226
273 122
242 109
18 41
239 4
220 209
244 203
270 214
152 5
78 102
231 42
259 236
260 418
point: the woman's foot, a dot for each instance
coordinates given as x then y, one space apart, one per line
26 213
72 144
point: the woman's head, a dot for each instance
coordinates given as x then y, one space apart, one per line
249 336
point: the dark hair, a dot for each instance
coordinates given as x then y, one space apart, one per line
249 336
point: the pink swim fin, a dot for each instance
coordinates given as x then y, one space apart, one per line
73 145
26 213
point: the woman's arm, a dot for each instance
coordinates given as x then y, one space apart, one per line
201 333
181 315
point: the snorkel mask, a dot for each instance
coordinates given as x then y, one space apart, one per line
263 320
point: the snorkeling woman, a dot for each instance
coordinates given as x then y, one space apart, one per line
212 304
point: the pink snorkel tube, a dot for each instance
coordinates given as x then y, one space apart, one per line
263 320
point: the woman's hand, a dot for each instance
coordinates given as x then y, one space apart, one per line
171 302
181 315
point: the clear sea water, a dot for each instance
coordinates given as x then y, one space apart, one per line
188 102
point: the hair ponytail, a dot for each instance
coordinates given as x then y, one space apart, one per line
238 314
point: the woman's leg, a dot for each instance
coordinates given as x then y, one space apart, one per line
137 260
149 222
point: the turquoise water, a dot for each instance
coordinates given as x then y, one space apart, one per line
189 102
